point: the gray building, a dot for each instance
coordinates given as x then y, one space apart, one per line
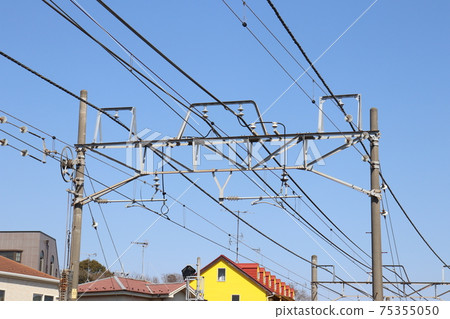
31 248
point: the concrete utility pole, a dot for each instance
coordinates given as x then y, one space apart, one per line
377 263
314 278
78 207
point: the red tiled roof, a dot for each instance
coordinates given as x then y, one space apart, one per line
131 285
11 266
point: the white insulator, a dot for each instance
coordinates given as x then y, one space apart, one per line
241 111
23 129
349 118
3 142
24 152
3 119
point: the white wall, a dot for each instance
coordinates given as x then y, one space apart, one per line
22 289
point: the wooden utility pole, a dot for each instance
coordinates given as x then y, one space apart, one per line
75 246
377 263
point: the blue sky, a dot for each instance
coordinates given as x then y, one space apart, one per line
395 56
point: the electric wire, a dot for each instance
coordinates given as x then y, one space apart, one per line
61 88
283 46
342 109
161 53
304 54
268 51
106 223
136 73
410 221
144 41
90 178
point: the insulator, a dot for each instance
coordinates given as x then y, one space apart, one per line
349 118
241 111
3 119
232 198
3 142
24 152
23 129
252 126
156 180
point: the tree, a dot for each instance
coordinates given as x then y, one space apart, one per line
91 270
173 277
300 295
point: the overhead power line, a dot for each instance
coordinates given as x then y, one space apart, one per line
342 109
211 95
61 88
216 98
190 78
311 64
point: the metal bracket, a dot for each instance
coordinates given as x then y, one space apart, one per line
221 188
98 123
349 118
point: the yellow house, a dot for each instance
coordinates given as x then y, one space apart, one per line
225 280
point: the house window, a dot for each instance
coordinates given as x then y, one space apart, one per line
48 298
235 297
52 266
13 255
41 261
221 274
2 295
37 297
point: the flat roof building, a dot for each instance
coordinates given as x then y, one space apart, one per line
31 248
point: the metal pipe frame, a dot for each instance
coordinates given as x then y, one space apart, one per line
189 112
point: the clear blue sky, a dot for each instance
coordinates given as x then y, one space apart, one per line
395 56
